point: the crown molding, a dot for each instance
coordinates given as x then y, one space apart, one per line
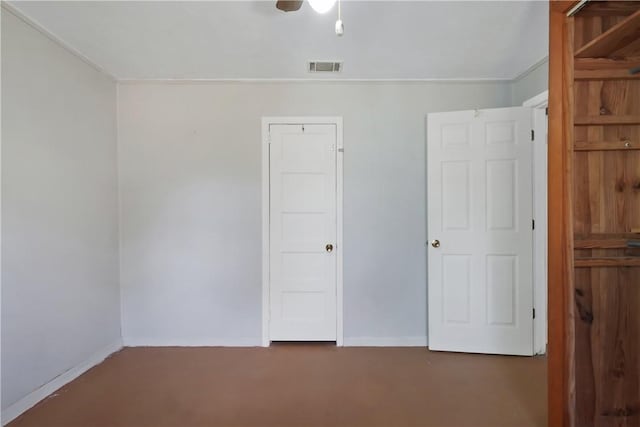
531 69
307 80
9 8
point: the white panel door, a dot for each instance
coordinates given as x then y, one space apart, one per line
303 230
479 181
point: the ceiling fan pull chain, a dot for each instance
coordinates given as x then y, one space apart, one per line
339 24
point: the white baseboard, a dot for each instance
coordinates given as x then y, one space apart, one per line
30 400
191 342
419 341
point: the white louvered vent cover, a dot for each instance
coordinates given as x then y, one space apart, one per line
325 66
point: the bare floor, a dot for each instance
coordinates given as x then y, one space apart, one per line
299 385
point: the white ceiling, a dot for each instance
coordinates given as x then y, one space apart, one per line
253 40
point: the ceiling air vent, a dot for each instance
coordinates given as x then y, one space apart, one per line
325 66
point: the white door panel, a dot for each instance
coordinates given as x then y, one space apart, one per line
480 210
302 223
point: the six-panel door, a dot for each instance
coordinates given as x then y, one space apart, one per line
480 210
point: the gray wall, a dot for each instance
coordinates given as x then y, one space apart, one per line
530 84
60 295
190 188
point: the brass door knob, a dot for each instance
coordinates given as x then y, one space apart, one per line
435 243
329 247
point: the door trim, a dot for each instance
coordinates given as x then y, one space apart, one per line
301 120
538 103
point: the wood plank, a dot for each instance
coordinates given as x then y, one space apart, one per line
604 74
568 106
606 145
604 236
583 323
609 8
629 50
560 372
600 243
586 30
606 194
606 64
614 346
607 119
607 262
614 39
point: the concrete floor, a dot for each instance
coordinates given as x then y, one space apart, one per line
299 385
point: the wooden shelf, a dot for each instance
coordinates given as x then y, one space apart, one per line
605 74
604 240
607 262
605 68
606 145
600 244
606 120
604 236
605 64
614 40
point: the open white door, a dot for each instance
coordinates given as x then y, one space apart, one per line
480 231
303 232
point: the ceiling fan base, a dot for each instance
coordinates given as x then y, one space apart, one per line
289 5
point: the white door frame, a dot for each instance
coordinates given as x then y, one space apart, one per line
539 103
266 121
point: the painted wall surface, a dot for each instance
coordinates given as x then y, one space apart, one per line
190 188
531 84
60 291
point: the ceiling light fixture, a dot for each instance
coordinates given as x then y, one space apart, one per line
322 6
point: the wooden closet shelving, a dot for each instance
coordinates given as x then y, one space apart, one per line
620 41
594 176
605 59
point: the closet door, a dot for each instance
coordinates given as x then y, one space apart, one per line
303 231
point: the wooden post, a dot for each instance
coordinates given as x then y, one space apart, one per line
560 367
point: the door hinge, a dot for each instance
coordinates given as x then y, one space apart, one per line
533 224
546 111
534 313
533 135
